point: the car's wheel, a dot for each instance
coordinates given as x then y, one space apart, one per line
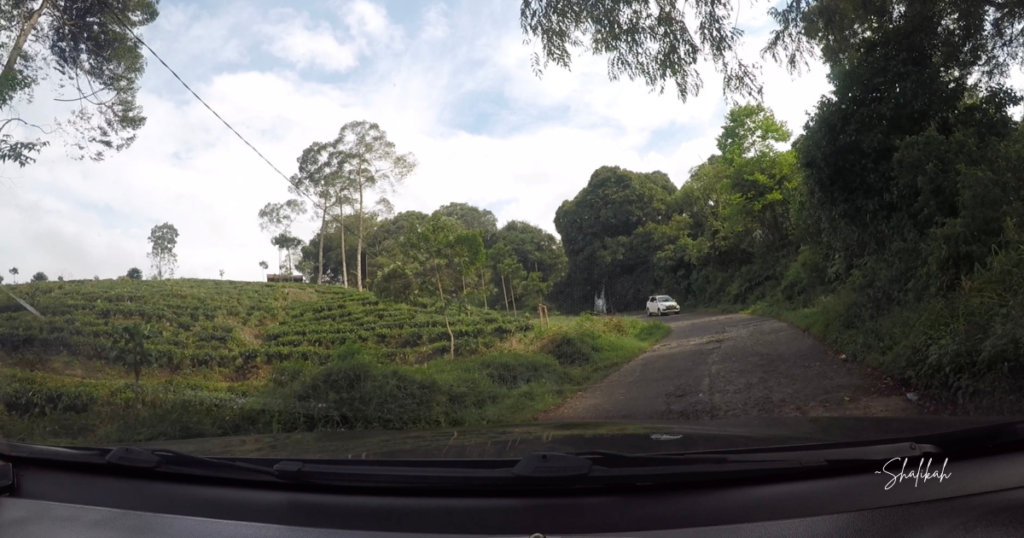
648 312
660 313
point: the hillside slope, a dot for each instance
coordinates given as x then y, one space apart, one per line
221 325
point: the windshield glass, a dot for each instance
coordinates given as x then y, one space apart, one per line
369 226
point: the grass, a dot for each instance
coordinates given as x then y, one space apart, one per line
326 359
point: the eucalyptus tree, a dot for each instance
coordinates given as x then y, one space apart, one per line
87 52
277 219
370 165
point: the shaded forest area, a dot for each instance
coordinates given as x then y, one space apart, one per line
891 228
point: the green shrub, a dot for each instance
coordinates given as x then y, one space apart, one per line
572 349
514 370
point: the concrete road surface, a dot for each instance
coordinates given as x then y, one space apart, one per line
717 366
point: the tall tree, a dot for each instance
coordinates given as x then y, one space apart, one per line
322 179
472 218
14 273
372 166
536 249
163 238
263 267
88 50
290 245
594 227
277 219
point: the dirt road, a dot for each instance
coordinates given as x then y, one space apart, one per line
724 366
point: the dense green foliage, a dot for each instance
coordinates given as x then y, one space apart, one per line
520 263
892 228
596 227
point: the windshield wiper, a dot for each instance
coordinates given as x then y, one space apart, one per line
579 469
593 468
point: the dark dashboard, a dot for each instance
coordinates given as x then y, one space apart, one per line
977 496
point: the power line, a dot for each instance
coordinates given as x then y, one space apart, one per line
194 94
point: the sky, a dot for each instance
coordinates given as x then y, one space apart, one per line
449 82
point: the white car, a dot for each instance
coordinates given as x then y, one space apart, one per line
661 305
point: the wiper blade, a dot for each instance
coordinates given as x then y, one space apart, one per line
595 468
179 462
882 452
558 470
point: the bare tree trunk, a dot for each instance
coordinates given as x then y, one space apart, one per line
344 254
503 292
440 293
483 286
19 43
323 232
512 292
359 247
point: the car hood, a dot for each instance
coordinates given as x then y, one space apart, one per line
519 440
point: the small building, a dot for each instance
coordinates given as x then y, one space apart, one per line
285 278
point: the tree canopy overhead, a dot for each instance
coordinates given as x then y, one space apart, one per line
86 49
661 42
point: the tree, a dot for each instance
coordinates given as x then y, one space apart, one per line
472 218
536 249
750 130
87 49
291 246
40 277
595 226
444 252
370 164
263 267
277 219
653 41
131 348
321 179
134 273
1 279
221 274
163 238
14 273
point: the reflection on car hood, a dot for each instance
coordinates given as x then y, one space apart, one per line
517 441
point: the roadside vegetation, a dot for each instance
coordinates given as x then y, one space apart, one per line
892 228
220 358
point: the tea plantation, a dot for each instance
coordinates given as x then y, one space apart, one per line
208 324
233 358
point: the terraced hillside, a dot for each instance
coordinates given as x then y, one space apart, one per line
236 358
206 324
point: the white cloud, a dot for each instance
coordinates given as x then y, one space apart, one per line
188 169
305 43
296 37
435 22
